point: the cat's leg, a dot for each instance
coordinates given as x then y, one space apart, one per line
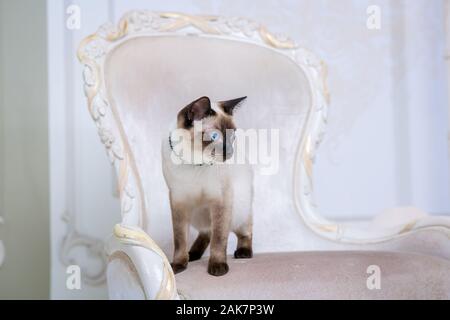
180 224
199 246
244 245
220 226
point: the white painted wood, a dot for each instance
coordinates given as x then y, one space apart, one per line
80 180
447 59
148 272
426 101
57 143
123 283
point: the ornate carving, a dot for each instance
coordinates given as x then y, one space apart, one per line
112 147
137 237
95 247
151 22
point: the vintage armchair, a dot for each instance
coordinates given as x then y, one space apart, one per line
139 73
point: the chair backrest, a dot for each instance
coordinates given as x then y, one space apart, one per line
139 74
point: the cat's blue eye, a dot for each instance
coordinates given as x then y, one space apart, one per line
214 136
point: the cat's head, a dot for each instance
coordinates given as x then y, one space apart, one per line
208 130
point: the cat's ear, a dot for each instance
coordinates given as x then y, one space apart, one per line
229 105
199 109
196 110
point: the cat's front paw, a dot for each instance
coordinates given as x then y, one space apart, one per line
243 253
178 267
217 268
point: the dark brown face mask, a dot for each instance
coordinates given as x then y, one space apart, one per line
223 123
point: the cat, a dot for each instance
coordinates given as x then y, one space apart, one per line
215 197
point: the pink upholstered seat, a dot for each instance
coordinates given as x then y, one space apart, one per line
320 275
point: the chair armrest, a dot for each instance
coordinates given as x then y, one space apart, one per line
144 260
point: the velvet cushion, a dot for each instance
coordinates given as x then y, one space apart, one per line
320 275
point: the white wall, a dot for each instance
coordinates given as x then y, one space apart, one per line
387 130
81 179
447 58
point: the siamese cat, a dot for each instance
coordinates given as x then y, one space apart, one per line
205 191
